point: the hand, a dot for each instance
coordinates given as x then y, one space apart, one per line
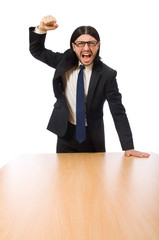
135 153
48 23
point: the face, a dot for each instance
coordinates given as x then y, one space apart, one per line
86 54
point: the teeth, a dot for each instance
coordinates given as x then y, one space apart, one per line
86 55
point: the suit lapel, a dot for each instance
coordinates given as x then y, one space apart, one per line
67 62
93 83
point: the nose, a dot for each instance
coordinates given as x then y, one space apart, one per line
86 47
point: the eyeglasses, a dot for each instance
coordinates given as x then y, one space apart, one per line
82 43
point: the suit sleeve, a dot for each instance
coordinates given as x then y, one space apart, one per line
118 112
38 50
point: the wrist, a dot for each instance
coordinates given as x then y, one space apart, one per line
39 31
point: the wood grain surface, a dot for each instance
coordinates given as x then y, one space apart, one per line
83 196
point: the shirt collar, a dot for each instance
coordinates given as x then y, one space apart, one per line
89 67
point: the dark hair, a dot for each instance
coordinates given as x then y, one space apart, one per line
86 30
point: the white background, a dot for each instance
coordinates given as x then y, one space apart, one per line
129 34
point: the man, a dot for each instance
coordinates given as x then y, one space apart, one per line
81 91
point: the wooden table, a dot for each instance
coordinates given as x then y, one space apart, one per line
92 196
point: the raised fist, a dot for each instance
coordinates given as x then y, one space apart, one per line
48 23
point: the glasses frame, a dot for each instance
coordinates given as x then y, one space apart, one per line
84 43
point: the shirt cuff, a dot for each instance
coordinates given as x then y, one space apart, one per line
36 30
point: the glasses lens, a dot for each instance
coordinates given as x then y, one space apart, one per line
82 44
92 43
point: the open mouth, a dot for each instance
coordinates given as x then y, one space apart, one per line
86 55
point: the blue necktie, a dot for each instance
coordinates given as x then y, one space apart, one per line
80 108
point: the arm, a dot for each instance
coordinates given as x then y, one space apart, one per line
37 41
118 113
121 121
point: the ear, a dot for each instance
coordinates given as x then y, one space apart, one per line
98 44
73 46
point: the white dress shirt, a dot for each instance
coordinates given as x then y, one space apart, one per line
69 83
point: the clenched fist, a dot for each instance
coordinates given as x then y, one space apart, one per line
48 23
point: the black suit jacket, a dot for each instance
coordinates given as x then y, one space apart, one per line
103 86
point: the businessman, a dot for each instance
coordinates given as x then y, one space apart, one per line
81 84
